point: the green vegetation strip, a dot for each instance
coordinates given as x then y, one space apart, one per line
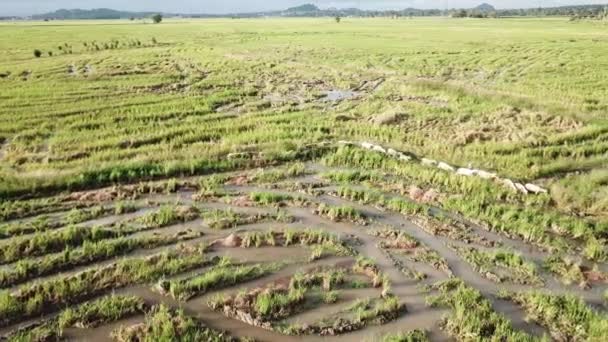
279 174
222 275
362 313
36 299
53 241
163 324
268 198
322 240
24 208
341 213
73 236
42 223
88 315
89 252
514 267
226 219
168 215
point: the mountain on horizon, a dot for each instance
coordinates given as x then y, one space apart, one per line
97 13
485 7
304 8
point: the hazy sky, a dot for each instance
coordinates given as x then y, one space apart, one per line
25 7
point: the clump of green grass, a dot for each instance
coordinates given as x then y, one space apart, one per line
500 265
88 315
308 237
351 176
223 275
472 316
262 305
324 243
258 239
327 279
107 309
122 207
360 314
397 239
326 249
367 313
168 215
53 241
171 186
341 213
411 336
405 207
595 249
81 215
210 187
223 219
269 198
361 196
24 208
226 219
271 304
163 324
37 225
279 174
567 317
331 297
43 332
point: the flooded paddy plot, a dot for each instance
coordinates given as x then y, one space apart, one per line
260 261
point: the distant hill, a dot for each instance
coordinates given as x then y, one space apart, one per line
304 8
98 13
485 7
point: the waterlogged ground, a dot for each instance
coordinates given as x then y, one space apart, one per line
279 180
358 246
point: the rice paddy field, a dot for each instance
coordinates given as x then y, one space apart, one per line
304 180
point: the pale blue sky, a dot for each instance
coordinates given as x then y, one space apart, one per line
25 7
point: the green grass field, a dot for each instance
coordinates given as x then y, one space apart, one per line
273 102
526 97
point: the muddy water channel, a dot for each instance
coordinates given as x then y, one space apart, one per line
244 220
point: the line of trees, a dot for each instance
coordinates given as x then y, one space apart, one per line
575 12
582 11
473 14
